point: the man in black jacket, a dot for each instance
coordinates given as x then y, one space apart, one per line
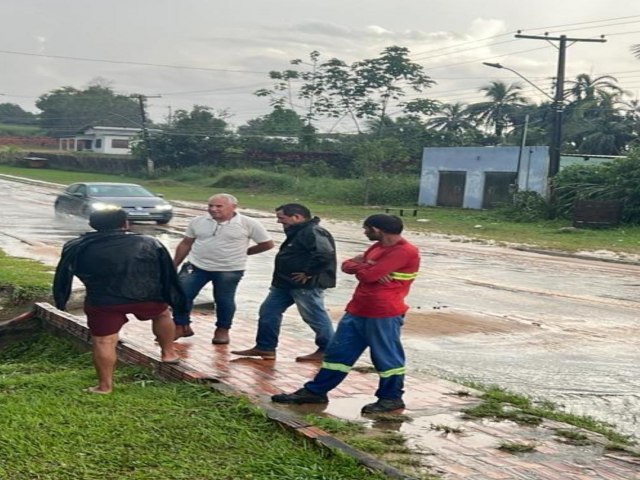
124 273
304 267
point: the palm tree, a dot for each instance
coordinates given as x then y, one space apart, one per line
584 87
452 125
453 118
597 126
503 101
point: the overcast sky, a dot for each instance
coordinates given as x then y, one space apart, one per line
227 47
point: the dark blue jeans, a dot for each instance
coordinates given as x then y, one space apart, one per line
354 335
310 303
224 284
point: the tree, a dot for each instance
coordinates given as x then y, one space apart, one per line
584 87
282 92
280 122
362 90
454 121
384 79
594 123
12 113
375 158
66 110
504 101
196 137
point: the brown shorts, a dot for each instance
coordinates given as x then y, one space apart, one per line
106 320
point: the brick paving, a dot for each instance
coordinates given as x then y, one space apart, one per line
470 455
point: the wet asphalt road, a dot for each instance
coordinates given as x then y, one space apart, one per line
555 328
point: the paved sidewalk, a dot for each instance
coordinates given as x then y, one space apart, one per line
470 455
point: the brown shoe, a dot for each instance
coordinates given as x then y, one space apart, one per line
183 331
220 336
316 356
256 352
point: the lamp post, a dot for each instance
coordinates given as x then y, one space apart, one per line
557 106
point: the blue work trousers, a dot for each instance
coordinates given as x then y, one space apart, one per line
225 284
310 304
353 336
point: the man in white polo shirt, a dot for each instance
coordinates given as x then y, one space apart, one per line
217 246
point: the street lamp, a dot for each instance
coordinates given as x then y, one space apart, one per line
557 106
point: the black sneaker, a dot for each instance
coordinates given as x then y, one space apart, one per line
383 405
300 396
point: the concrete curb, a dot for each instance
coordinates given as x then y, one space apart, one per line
68 325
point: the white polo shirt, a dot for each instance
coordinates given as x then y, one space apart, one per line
222 247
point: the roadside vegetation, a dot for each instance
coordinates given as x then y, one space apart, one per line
500 404
333 198
22 281
150 429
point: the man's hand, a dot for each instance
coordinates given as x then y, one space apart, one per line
358 259
385 279
301 277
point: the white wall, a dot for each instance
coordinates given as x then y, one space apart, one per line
478 160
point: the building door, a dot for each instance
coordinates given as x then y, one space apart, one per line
451 189
498 188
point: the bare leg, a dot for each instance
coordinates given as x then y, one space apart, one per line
104 359
164 330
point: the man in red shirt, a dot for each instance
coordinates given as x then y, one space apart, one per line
373 319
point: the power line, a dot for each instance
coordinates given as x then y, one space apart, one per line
124 62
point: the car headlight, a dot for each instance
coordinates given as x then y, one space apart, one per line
101 206
164 208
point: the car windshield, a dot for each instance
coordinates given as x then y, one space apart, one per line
118 191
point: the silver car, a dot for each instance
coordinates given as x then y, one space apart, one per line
140 204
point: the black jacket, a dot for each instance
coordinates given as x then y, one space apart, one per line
118 267
308 248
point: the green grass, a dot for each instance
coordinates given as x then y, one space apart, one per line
20 130
516 447
573 437
501 404
482 225
147 429
23 280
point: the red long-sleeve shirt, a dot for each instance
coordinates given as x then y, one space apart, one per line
375 299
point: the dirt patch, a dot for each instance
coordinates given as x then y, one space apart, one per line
459 323
440 323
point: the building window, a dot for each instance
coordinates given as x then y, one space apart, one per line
98 143
119 143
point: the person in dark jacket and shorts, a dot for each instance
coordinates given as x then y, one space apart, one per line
123 273
304 267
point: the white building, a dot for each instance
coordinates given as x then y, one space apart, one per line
113 140
481 177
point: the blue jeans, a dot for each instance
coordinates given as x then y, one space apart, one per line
224 284
354 335
310 303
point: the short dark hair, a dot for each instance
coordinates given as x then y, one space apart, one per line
291 209
111 219
386 223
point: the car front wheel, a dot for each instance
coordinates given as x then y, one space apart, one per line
58 210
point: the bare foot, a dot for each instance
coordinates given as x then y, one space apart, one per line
97 390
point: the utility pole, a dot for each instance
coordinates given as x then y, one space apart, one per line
558 101
145 132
